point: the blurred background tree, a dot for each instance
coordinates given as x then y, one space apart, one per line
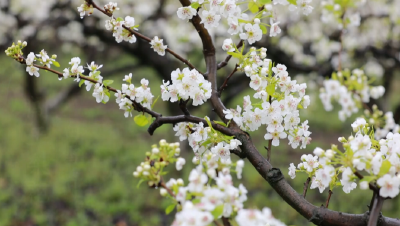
65 160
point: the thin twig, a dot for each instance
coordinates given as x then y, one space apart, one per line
225 62
306 186
372 201
329 198
162 184
217 223
225 84
372 186
177 56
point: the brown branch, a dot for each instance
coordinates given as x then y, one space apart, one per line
162 184
225 221
306 184
225 84
177 56
182 106
329 198
241 154
372 186
217 223
225 62
375 211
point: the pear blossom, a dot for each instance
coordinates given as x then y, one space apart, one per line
157 45
275 29
389 186
33 70
179 163
253 33
100 94
210 19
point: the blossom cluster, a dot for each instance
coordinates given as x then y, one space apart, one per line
140 94
205 141
119 32
249 27
280 98
207 196
350 90
186 84
378 158
382 123
160 156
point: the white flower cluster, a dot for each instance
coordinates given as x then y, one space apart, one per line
32 70
381 160
222 198
119 32
281 97
383 123
255 217
239 22
129 93
85 8
201 140
75 70
186 84
111 7
337 89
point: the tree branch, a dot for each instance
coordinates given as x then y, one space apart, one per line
225 221
329 198
225 84
177 56
306 184
375 211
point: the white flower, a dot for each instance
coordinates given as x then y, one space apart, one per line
292 171
100 94
186 13
30 58
33 70
389 186
228 45
180 163
239 168
358 124
221 151
253 33
85 8
66 73
111 7
157 45
197 180
275 29
210 19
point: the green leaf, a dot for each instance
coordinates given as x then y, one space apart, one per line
253 7
170 208
140 182
243 21
299 106
368 178
271 89
384 168
81 82
55 63
107 82
265 1
221 123
236 55
120 19
141 120
293 2
195 5
217 212
263 28
205 143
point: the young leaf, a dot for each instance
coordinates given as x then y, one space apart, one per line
384 168
81 82
265 1
55 63
107 82
264 29
271 89
141 120
217 212
253 7
293 2
195 5
170 208
221 123
236 55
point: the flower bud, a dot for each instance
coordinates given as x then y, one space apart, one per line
257 21
268 7
136 174
54 56
364 185
163 142
177 151
139 169
145 173
211 172
146 167
24 44
180 182
163 192
329 153
155 151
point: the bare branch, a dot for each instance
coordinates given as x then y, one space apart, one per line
375 211
329 198
306 185
225 84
